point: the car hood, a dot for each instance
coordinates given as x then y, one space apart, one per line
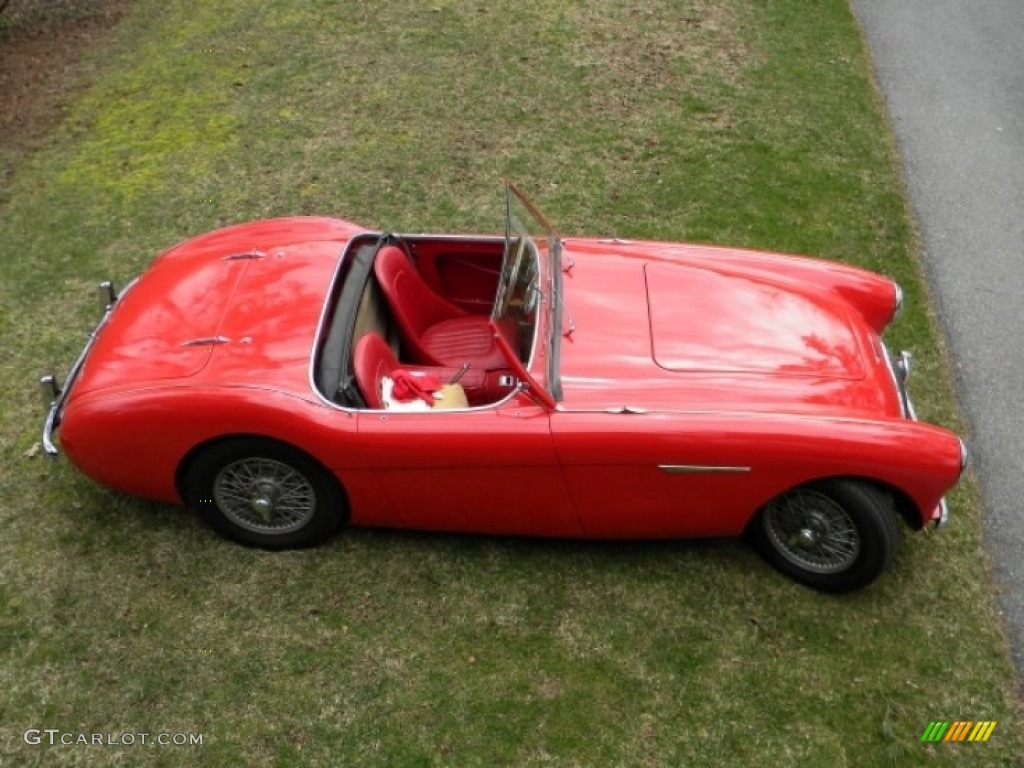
703 320
239 305
652 332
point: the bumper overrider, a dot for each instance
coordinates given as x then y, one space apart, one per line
899 367
55 394
943 517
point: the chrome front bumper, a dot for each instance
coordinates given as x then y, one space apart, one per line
54 395
899 368
943 517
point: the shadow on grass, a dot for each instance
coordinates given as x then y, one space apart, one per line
102 523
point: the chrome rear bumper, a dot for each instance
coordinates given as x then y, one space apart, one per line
55 395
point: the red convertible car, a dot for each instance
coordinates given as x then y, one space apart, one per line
286 377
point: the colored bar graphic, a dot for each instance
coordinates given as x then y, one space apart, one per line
982 731
935 730
959 730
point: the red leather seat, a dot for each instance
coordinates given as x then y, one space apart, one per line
433 330
372 360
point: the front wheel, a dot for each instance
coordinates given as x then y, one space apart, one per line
835 535
265 494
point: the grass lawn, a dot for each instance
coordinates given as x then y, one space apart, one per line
743 123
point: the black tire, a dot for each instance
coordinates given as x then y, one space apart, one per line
265 494
834 536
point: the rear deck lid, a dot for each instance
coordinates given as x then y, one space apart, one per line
165 327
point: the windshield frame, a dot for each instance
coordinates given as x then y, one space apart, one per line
525 225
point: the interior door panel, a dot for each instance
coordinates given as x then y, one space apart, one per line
463 271
469 282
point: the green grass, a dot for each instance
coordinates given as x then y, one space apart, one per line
731 122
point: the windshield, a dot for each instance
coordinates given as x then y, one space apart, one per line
528 286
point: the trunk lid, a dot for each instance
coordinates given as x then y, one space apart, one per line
165 327
252 291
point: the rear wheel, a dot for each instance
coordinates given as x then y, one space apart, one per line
264 493
835 535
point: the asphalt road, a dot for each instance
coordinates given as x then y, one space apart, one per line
952 73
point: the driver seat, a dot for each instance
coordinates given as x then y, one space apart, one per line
433 330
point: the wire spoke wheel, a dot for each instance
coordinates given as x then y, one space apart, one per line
834 535
265 493
264 496
812 531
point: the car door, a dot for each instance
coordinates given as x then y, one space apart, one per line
485 470
655 475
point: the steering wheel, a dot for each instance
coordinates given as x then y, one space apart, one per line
531 297
508 284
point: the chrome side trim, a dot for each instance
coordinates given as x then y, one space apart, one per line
625 409
53 414
700 469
